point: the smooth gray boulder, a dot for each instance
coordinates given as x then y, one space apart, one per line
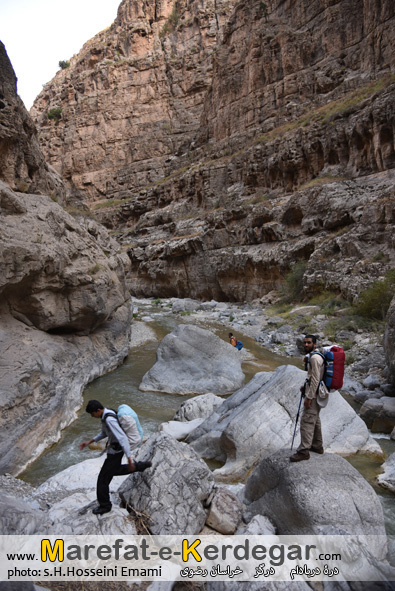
198 407
379 414
194 360
387 479
259 419
322 495
171 493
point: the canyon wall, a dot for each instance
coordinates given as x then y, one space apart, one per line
131 100
22 163
64 294
222 142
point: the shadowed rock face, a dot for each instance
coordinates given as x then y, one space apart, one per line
22 164
389 340
54 274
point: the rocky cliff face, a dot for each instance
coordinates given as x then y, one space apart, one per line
132 98
240 138
64 300
22 164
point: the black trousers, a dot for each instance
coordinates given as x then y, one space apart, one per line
112 467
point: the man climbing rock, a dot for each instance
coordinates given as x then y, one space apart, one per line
118 445
310 424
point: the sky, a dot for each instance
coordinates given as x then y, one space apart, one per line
37 34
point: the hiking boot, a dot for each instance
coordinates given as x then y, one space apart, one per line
299 456
101 510
317 450
141 466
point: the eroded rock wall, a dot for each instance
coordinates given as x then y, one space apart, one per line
22 164
131 100
239 141
65 312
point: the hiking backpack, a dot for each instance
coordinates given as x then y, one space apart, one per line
334 359
127 419
239 345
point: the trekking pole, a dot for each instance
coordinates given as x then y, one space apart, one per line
297 416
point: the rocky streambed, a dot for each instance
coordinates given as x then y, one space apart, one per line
244 437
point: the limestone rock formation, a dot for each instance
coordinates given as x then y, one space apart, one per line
225 512
42 379
379 414
259 419
171 493
194 360
18 518
54 273
62 504
64 298
132 98
22 163
238 141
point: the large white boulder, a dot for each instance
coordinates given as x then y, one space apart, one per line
194 360
259 419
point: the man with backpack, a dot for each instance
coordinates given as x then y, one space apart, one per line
118 444
234 342
310 424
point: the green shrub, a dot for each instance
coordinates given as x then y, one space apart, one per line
329 302
375 300
95 269
55 114
63 64
171 23
292 290
264 9
350 358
